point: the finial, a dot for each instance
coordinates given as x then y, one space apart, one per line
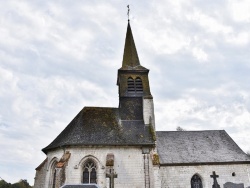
128 12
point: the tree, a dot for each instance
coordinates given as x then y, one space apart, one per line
180 129
20 184
4 184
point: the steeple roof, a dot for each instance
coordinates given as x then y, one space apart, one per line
130 57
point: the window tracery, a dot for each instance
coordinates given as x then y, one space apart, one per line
89 172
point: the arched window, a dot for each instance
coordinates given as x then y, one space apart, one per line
135 86
131 85
138 85
196 182
54 179
89 172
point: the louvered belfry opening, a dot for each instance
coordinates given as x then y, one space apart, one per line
138 85
131 85
135 86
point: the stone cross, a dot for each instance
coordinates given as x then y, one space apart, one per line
112 175
214 176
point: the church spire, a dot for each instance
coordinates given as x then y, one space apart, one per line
130 56
132 77
134 91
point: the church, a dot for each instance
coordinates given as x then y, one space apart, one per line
120 147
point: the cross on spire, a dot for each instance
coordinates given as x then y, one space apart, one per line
214 176
128 12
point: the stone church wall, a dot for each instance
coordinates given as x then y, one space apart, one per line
128 164
180 176
43 178
148 111
156 176
41 175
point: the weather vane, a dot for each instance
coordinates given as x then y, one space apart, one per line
128 12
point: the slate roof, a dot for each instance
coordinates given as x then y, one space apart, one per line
102 126
215 146
130 57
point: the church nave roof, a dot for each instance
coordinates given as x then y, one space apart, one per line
103 127
195 147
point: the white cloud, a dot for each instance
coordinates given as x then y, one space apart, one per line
210 24
56 57
240 39
199 54
240 10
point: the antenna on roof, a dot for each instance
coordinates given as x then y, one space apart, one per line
128 12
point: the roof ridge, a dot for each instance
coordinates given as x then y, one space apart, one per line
99 107
194 130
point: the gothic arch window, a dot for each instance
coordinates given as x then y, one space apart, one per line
138 85
52 182
54 179
89 172
196 181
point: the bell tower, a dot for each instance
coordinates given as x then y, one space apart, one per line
135 99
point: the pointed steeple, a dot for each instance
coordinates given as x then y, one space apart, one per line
132 78
133 86
130 57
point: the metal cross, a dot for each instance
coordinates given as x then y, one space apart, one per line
128 12
214 176
111 177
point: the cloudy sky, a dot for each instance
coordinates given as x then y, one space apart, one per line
58 56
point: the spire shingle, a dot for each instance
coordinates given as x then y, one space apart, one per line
130 56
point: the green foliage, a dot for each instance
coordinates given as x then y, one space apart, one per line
180 129
4 184
156 159
20 184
